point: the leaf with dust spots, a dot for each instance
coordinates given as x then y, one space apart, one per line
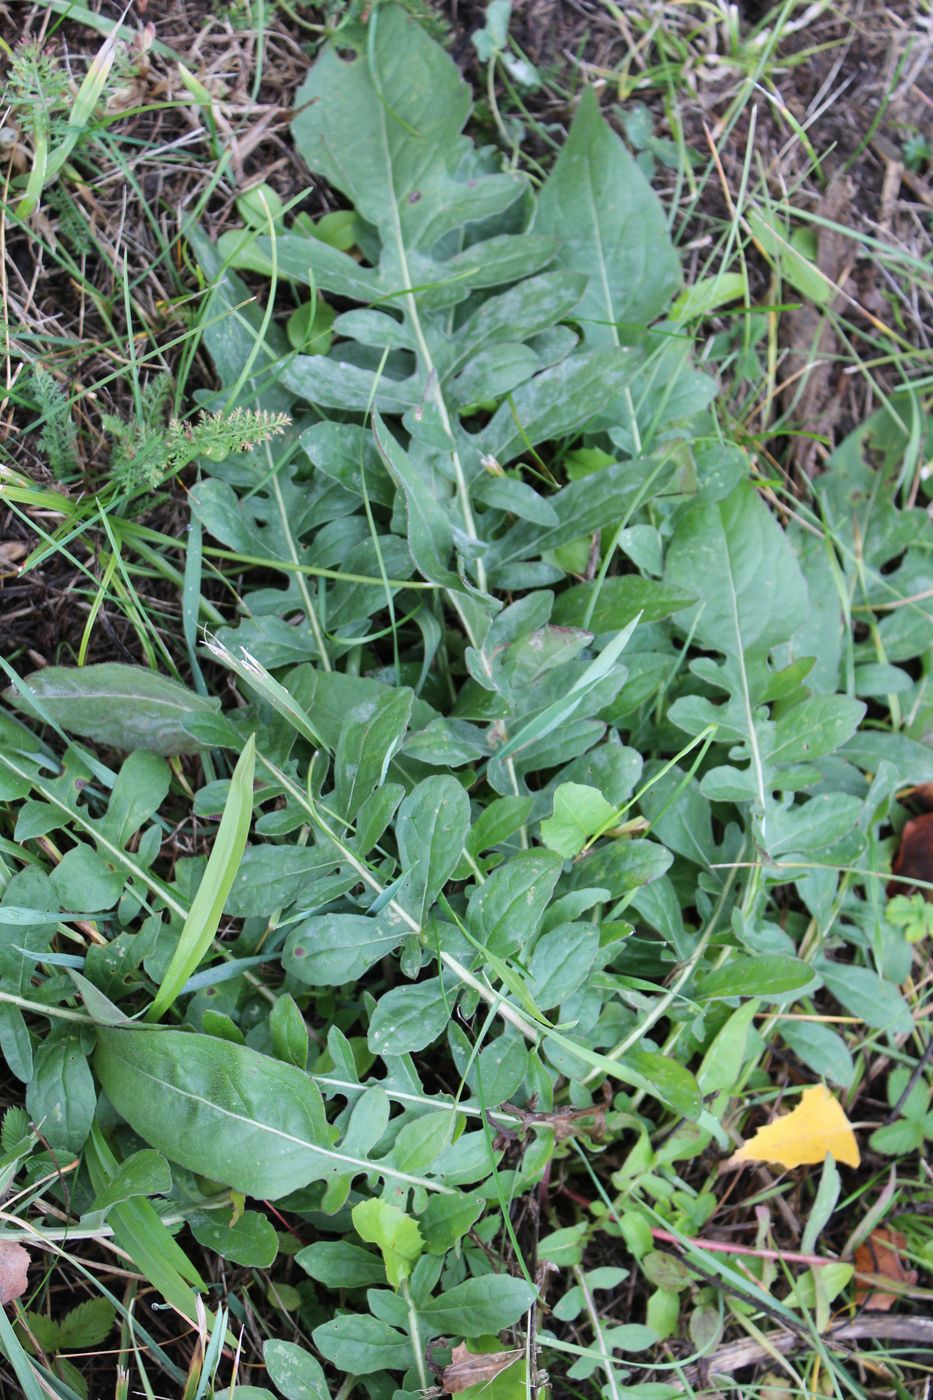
880 1256
14 1266
817 1127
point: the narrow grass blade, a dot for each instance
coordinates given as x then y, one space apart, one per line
204 916
561 710
12 1349
89 94
37 178
138 1229
257 677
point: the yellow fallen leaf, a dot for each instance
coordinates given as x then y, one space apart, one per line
817 1127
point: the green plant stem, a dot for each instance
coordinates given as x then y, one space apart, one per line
662 1005
415 1334
59 1013
604 1353
432 382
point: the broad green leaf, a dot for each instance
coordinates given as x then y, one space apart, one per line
250 1240
611 227
568 397
84 880
289 1031
271 877
823 821
479 1305
446 1219
817 726
339 1264
208 904
144 1173
60 1096
431 828
732 555
330 950
579 812
497 822
421 1141
863 993
659 1075
491 374
505 912
407 1019
382 122
370 735
87 1325
706 294
125 707
429 529
827 1195
499 1071
224 1111
295 1373
15 1042
142 784
395 1234
536 304
800 271
821 1049
906 1135
621 867
612 604
722 1064
559 711
579 508
754 977
680 816
361 1344
561 962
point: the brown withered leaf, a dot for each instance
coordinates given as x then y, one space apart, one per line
11 552
914 858
923 793
880 1255
14 1264
475 1368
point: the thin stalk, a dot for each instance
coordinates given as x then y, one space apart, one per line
432 381
604 1353
415 1335
661 1006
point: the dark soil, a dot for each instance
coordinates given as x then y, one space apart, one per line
859 93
